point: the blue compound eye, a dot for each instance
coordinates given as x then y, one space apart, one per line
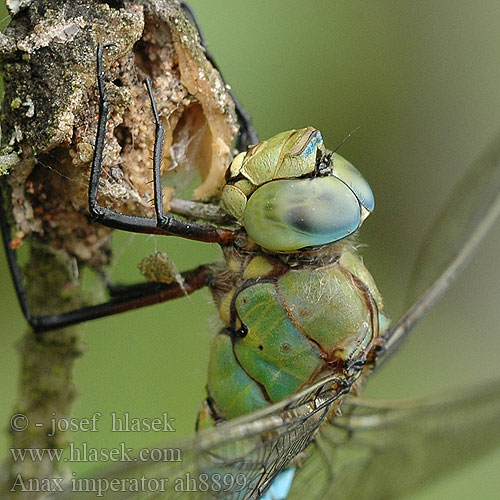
348 173
291 214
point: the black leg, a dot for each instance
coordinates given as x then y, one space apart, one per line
163 221
131 296
127 297
15 271
168 224
247 134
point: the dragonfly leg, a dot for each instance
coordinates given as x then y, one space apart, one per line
134 296
164 224
125 297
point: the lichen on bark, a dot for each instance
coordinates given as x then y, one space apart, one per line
49 121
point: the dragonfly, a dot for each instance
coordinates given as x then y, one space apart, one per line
295 420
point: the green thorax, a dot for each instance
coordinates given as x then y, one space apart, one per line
288 321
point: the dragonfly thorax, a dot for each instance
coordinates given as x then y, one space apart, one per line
287 322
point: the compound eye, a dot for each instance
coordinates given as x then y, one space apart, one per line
348 173
291 214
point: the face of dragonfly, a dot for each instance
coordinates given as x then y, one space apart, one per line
422 120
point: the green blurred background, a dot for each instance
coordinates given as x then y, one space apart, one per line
420 80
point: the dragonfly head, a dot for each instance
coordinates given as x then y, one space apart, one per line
291 194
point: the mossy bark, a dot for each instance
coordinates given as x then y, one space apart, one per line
49 121
46 388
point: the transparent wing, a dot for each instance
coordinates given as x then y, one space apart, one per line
466 215
464 220
375 450
385 450
235 461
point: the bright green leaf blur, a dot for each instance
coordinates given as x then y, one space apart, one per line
421 80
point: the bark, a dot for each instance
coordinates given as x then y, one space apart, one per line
49 121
